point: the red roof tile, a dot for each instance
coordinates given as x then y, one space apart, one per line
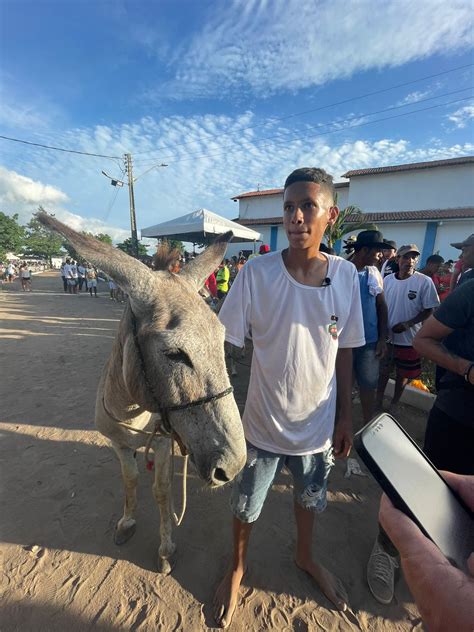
388 216
408 167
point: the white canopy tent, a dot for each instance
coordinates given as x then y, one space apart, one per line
200 227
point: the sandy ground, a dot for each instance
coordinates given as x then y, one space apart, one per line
60 496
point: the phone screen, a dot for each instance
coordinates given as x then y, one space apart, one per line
425 493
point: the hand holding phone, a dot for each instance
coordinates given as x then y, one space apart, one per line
444 594
416 488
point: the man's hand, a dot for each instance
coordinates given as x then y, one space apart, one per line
443 593
399 328
381 349
342 438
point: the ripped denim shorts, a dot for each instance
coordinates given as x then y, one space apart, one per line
310 475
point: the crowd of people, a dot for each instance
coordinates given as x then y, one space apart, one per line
21 270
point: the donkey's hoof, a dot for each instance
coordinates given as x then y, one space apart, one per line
124 532
166 564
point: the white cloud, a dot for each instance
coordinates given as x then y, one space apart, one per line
265 47
211 158
414 97
461 117
18 189
22 195
91 225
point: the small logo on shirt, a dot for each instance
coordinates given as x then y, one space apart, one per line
412 294
332 327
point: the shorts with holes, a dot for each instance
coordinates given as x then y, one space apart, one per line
310 475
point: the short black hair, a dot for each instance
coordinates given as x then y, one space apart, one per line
435 259
312 174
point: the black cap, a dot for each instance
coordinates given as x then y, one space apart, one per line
370 239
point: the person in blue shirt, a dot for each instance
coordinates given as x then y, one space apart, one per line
366 254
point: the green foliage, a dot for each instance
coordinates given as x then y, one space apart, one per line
12 235
342 227
40 242
175 243
127 247
106 239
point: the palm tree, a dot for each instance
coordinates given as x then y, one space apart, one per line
342 227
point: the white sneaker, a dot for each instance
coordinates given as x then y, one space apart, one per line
381 574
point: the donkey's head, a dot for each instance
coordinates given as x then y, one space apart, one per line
173 351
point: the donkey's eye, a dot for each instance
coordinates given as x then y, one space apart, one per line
179 356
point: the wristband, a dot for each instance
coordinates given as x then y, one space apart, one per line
467 371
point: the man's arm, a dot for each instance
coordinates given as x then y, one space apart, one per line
428 343
419 318
342 439
382 321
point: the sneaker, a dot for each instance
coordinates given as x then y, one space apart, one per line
381 574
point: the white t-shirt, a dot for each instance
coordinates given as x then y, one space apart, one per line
296 331
405 299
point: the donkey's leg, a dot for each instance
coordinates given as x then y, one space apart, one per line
162 493
126 525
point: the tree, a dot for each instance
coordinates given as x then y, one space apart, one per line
174 244
106 239
342 227
127 247
12 235
40 242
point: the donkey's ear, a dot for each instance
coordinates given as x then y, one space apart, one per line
129 273
200 268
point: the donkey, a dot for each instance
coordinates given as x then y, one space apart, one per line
166 377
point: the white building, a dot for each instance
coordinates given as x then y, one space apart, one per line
430 204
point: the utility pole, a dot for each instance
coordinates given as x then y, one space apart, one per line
116 182
133 218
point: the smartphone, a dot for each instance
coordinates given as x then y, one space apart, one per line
415 487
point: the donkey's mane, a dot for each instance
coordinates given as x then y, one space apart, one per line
165 256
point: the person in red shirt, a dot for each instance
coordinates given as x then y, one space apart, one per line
211 285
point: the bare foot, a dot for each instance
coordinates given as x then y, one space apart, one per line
225 599
329 584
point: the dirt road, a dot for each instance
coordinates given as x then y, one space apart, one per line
60 496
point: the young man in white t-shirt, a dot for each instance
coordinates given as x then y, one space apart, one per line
303 312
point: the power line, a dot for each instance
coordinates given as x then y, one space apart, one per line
289 135
334 131
68 151
322 107
111 203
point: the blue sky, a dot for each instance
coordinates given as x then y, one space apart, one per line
232 95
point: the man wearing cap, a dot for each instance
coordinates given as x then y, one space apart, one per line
367 253
389 259
411 298
467 247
